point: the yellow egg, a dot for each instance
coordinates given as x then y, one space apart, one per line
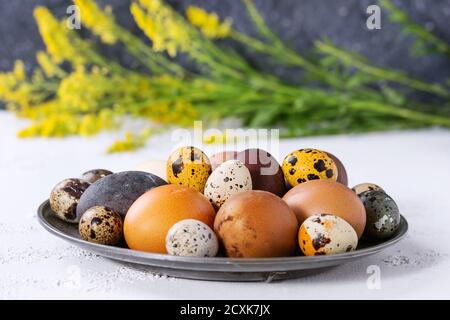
308 164
188 166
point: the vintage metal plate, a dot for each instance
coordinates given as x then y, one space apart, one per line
218 268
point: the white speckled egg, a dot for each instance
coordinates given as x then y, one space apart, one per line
65 196
192 238
229 178
324 234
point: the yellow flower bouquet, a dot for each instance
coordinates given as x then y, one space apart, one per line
77 91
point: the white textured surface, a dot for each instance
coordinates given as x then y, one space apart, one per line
414 167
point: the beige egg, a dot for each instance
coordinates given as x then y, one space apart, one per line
101 225
191 238
156 167
227 179
325 234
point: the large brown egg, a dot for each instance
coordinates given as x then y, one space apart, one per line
220 157
342 173
327 197
152 215
265 171
256 224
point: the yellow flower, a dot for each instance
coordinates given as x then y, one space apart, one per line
151 5
83 91
130 142
56 38
214 139
38 111
160 25
219 138
180 112
50 68
19 70
100 22
208 23
55 125
14 89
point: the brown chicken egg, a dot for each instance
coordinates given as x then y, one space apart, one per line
342 173
265 171
330 197
152 215
220 157
256 224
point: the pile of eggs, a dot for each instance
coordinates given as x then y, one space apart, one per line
236 204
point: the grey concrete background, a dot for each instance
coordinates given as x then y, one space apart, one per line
298 23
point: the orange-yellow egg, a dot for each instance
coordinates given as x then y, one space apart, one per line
188 166
152 215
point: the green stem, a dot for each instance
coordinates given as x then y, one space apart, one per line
154 61
382 74
400 112
399 16
287 56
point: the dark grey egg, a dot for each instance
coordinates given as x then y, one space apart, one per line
95 174
118 191
383 215
65 196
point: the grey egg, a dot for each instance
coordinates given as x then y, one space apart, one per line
383 215
101 225
118 191
95 174
65 197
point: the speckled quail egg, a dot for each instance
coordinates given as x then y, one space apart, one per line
383 215
325 234
362 187
188 166
101 225
227 179
308 164
93 175
65 196
193 238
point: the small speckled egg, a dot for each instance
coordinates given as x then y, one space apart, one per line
65 196
229 178
101 225
308 164
188 166
362 187
325 234
192 238
383 215
93 175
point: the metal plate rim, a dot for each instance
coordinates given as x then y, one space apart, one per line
218 264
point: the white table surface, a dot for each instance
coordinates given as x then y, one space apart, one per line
413 166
